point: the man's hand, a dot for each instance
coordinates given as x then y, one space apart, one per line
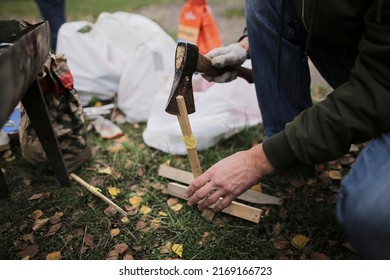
232 56
228 179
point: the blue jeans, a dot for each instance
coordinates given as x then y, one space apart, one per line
54 12
282 87
363 207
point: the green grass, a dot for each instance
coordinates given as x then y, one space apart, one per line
75 9
233 12
85 228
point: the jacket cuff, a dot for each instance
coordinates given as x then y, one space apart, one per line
278 151
244 34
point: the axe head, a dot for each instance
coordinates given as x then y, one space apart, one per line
186 60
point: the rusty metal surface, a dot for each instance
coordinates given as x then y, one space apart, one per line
20 65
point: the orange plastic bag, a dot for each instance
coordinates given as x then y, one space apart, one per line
197 25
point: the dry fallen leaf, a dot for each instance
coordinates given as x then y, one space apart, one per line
257 188
178 249
36 214
53 256
89 240
113 191
140 225
177 207
39 224
115 148
29 237
114 232
136 200
145 210
335 175
113 255
158 186
128 257
39 196
163 214
300 241
318 256
7 154
166 249
11 158
110 211
105 170
30 251
121 247
277 228
53 229
172 201
281 245
56 218
208 214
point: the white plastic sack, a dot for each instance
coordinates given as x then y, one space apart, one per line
128 31
143 77
222 110
112 48
95 62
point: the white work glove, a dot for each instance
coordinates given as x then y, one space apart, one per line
232 56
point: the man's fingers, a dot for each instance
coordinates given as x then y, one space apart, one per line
224 60
226 77
223 203
210 199
196 184
217 52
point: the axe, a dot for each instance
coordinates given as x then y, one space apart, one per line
188 60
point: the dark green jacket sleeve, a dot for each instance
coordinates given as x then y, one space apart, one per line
355 112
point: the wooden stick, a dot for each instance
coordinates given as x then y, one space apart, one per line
186 177
188 137
96 191
235 209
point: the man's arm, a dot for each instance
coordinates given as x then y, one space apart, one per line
355 112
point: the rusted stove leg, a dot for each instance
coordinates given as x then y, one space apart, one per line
35 106
3 185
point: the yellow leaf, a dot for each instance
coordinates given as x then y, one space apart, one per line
39 224
53 256
125 220
115 232
115 148
257 188
300 241
145 210
335 175
177 207
36 214
7 154
162 214
105 170
178 249
113 191
136 200
11 158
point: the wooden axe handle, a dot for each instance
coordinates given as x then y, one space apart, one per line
188 137
205 66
